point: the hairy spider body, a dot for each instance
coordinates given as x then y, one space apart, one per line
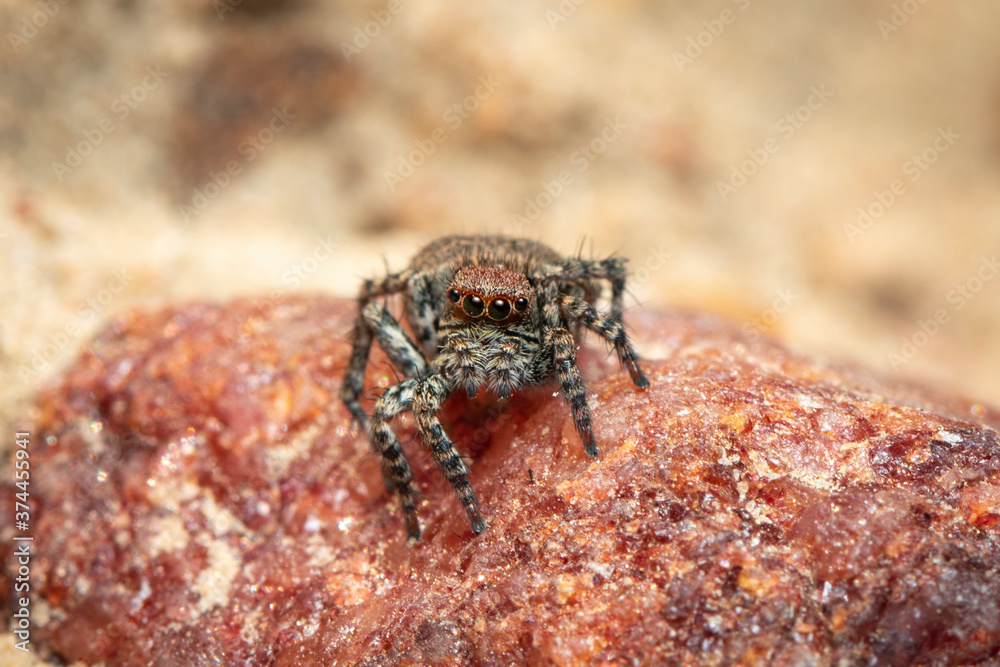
486 312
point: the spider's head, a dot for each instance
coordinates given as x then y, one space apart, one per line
490 295
489 318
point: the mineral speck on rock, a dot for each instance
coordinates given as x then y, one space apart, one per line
199 495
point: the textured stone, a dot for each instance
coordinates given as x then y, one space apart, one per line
199 494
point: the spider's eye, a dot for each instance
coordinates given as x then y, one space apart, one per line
473 305
453 295
499 308
520 304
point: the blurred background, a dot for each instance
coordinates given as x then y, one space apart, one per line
828 173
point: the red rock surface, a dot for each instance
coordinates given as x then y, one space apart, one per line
200 495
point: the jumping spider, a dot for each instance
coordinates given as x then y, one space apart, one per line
486 311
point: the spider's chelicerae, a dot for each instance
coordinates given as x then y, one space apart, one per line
487 312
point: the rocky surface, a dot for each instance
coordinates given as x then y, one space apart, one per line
200 495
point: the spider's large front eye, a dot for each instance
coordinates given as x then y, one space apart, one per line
453 295
499 308
473 305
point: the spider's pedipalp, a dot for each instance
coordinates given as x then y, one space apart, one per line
463 361
504 372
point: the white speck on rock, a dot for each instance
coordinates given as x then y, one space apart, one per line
949 437
168 534
215 582
220 520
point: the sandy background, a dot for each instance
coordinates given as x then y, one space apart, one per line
128 176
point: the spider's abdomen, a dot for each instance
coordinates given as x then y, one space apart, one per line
521 255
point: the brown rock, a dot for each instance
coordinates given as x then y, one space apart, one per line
199 494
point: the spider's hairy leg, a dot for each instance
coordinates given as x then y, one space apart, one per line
561 345
354 379
427 400
361 343
612 269
616 269
608 328
395 468
422 309
391 337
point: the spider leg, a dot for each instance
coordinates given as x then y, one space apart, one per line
361 343
401 350
560 345
354 377
394 283
427 400
613 269
422 308
608 328
396 469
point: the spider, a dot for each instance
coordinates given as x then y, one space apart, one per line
489 312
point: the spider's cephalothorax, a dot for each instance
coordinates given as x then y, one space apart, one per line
487 312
